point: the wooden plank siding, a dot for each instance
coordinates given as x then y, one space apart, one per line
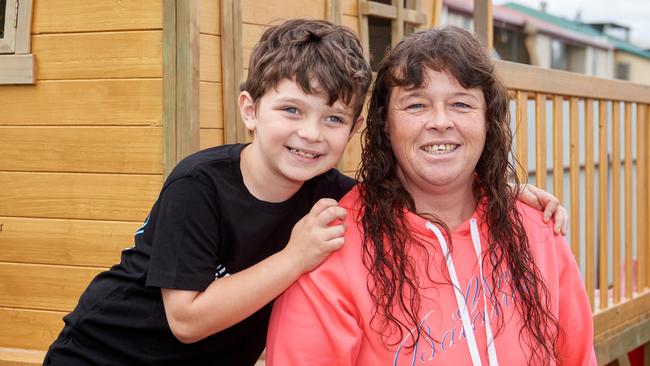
81 149
69 242
82 159
64 16
122 102
102 55
43 287
29 329
118 197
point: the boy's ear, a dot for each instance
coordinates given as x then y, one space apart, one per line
357 125
247 110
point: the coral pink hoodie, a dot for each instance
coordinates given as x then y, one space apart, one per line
325 317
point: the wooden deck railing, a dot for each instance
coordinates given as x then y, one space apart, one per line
609 214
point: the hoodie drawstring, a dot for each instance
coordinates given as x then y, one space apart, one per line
460 299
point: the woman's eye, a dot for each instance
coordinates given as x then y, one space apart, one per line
461 105
291 110
415 106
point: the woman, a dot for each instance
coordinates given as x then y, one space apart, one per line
435 203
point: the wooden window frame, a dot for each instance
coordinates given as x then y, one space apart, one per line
16 61
396 12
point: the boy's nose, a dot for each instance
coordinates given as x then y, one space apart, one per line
310 130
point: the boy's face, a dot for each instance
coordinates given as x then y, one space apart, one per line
297 136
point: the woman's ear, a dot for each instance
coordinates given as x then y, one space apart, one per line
247 110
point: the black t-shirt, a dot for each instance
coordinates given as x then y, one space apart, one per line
204 225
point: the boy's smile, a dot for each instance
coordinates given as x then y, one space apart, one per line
297 136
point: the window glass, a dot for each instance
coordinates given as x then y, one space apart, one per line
558 55
3 7
379 30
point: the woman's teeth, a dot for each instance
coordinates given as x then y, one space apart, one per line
440 148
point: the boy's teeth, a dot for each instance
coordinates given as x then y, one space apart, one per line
303 154
440 148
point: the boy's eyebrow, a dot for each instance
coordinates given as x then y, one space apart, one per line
337 110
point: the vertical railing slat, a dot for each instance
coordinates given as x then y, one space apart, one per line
522 135
540 141
574 172
603 167
616 199
589 200
558 139
641 189
628 201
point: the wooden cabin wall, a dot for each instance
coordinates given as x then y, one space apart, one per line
210 74
80 157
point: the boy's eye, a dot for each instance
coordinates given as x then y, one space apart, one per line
335 119
291 110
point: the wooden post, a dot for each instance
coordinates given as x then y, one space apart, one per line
483 27
334 11
180 81
232 63
436 15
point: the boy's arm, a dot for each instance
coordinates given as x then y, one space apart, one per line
194 315
540 199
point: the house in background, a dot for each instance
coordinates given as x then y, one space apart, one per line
525 35
631 62
532 36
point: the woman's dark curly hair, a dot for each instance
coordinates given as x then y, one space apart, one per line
393 282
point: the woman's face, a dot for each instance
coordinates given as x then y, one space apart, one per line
437 133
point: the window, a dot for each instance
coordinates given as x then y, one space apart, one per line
558 55
623 70
383 23
16 61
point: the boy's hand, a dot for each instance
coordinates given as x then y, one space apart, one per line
542 200
313 239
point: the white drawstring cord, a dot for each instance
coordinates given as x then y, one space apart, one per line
460 299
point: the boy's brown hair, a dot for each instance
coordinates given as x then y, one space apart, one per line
308 51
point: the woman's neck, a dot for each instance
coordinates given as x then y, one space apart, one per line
453 207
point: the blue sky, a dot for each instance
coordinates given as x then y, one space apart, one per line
632 13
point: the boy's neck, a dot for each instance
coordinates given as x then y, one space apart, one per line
260 180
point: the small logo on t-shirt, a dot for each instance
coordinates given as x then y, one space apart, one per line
221 272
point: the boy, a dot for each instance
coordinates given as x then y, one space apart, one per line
218 245
196 289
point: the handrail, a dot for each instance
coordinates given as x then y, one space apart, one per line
532 78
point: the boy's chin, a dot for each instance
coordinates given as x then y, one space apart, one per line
300 175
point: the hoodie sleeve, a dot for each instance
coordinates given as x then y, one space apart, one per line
315 321
576 343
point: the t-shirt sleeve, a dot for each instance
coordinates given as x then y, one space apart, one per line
315 321
185 243
576 341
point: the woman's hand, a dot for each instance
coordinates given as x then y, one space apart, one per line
542 200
